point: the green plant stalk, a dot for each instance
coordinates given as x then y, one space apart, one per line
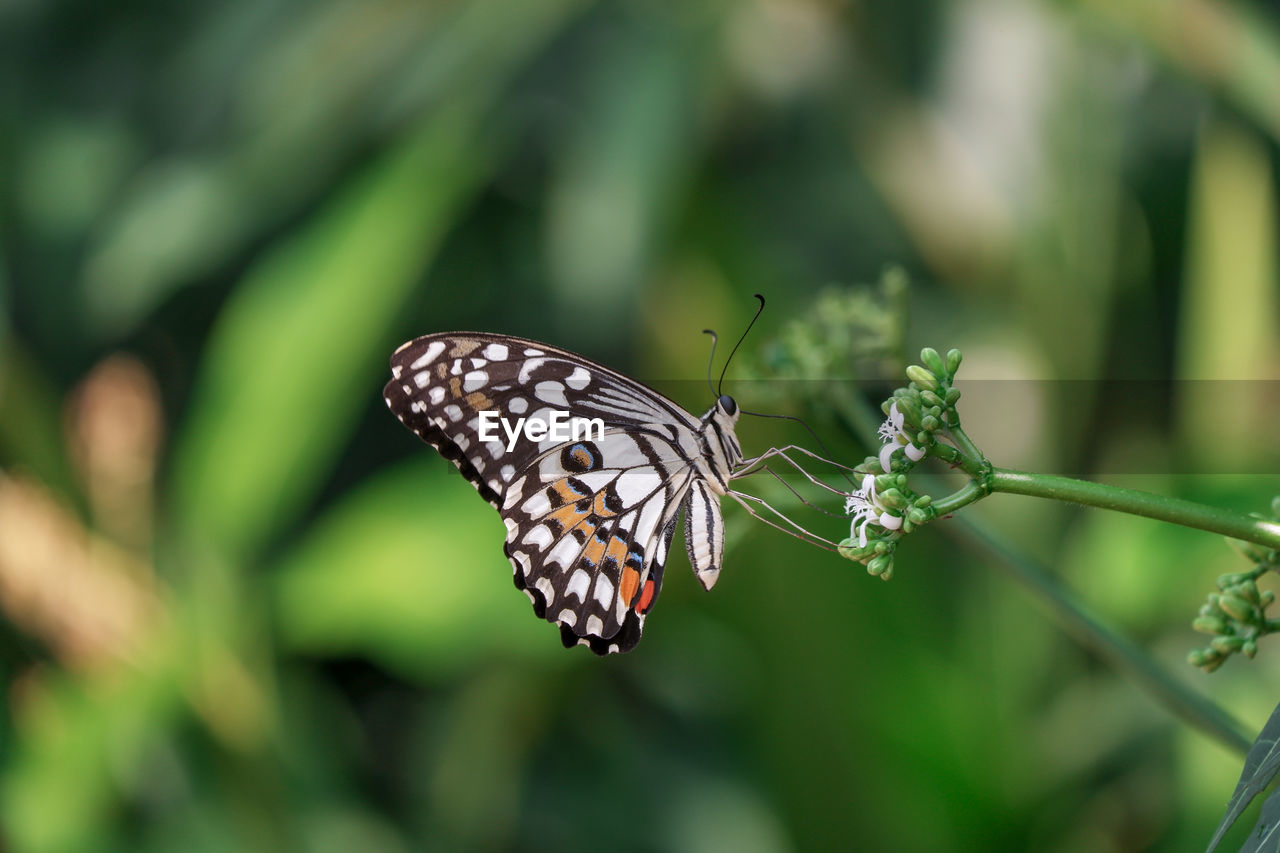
1065 609
1174 510
1088 630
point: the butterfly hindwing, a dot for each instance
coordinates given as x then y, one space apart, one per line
586 526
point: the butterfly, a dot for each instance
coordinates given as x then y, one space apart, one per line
589 516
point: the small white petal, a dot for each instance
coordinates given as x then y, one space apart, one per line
915 454
886 455
890 522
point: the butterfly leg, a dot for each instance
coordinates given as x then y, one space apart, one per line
792 528
752 466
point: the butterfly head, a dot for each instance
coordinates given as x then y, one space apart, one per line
720 420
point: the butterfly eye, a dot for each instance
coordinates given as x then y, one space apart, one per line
727 403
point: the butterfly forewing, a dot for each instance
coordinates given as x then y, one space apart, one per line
589 521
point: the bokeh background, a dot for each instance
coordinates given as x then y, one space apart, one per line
241 608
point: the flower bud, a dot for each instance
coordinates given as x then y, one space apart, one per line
1210 624
933 361
1250 648
929 423
1204 657
1248 590
917 516
1227 645
1268 597
924 500
1236 607
893 499
954 356
909 408
932 400
923 378
879 565
953 396
850 550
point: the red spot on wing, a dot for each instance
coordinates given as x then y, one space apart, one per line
646 597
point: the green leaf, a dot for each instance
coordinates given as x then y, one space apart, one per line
1260 767
408 569
301 347
1265 837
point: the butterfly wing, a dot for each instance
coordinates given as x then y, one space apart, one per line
589 523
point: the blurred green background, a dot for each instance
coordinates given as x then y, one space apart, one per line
241 608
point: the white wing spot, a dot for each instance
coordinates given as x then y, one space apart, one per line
548 591
538 504
578 585
433 349
568 617
436 395
532 351
579 379
528 367
539 537
395 371
474 381
463 442
478 363
454 413
564 553
604 591
518 405
512 529
495 352
456 370
595 626
507 472
551 393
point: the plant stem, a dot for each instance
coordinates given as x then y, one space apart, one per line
966 445
1103 496
1091 632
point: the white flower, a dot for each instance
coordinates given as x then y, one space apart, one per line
864 506
892 435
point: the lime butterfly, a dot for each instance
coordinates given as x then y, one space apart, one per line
589 519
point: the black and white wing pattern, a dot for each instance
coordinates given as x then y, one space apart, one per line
589 514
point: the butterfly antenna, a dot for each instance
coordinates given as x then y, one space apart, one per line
803 423
720 384
715 339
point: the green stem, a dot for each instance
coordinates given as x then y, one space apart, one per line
966 445
971 492
1091 632
1175 510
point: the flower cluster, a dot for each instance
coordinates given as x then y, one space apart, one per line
883 509
1235 616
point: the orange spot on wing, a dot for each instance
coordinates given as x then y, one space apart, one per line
630 582
617 550
568 516
646 597
594 551
463 346
479 402
455 386
599 508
